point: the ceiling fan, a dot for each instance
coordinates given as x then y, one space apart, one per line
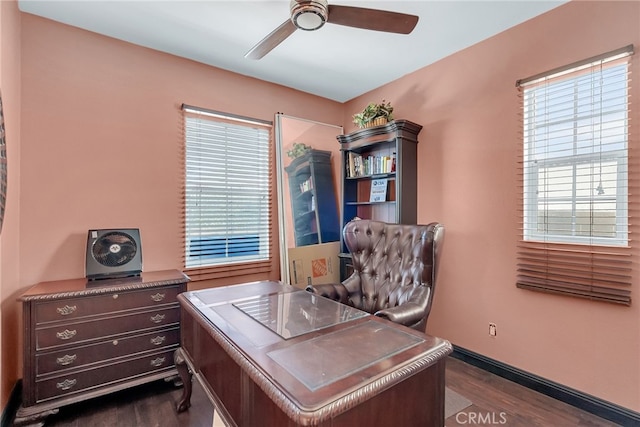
310 15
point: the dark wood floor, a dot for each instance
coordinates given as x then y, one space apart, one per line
496 401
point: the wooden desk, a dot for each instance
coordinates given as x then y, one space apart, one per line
269 354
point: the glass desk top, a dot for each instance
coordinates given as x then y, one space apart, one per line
296 313
339 354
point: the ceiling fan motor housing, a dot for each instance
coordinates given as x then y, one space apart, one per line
309 15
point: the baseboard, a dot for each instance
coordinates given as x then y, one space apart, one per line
9 411
586 402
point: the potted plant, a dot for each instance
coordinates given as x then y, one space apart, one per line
297 150
374 115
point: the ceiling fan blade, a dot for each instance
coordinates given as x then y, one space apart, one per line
274 38
372 19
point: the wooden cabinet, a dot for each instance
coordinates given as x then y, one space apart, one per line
384 156
313 200
84 339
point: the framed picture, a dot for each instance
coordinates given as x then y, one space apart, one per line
378 190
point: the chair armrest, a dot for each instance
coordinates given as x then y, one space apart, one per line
334 291
407 314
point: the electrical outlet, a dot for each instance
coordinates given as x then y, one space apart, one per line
493 329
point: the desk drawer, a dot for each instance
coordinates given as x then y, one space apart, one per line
76 382
72 358
72 308
77 332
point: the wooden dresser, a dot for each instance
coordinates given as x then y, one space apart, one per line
84 339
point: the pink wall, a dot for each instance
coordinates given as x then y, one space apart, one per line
468 148
100 148
9 239
103 140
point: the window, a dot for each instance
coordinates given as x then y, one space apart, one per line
575 180
227 190
575 158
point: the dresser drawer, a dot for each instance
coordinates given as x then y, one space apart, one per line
80 331
72 358
76 382
71 308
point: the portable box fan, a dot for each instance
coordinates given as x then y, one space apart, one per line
113 253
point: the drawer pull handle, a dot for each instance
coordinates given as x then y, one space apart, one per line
115 296
157 318
66 384
114 342
66 310
158 340
158 297
66 334
66 359
158 361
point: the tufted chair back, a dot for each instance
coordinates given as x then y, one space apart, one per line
395 268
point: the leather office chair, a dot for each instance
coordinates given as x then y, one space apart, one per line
395 268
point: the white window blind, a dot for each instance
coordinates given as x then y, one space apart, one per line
227 192
576 200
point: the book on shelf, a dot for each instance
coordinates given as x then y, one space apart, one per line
378 190
357 165
350 164
306 185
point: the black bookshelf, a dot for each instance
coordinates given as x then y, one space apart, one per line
313 199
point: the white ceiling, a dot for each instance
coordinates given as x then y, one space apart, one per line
334 62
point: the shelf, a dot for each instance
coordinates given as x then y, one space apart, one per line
386 202
305 196
390 175
368 146
307 239
304 217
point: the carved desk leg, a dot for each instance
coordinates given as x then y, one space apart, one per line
185 376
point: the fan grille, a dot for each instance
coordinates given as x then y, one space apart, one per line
114 249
